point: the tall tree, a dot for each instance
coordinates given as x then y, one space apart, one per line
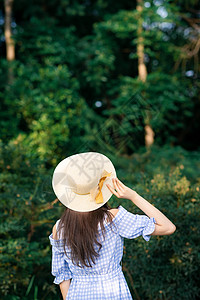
10 46
142 71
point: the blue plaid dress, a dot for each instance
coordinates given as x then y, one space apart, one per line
105 280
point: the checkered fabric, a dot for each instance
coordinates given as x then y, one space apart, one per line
105 280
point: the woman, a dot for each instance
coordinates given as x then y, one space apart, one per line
87 241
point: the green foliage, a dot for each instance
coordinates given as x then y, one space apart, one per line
44 95
96 61
25 222
156 30
160 101
47 103
47 44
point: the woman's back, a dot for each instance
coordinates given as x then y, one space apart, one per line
105 280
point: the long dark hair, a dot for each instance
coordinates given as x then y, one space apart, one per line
80 233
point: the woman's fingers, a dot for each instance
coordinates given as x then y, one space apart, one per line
120 183
114 183
122 191
112 190
120 188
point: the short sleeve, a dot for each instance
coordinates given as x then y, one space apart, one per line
132 225
59 266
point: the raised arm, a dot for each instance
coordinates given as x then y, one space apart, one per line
163 225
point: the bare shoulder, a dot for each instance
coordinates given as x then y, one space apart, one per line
54 232
114 211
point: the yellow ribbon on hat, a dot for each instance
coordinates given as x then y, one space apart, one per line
99 196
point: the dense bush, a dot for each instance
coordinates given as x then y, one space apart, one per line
25 224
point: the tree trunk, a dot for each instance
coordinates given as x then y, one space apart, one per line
10 46
142 72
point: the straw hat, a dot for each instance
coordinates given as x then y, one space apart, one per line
79 181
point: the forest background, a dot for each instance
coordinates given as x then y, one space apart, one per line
116 77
